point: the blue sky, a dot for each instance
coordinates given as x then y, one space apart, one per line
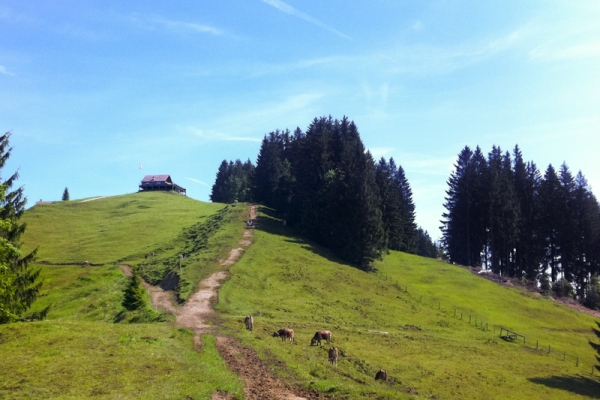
93 89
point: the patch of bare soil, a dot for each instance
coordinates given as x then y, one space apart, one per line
261 383
160 299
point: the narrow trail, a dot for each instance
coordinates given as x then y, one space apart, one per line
260 382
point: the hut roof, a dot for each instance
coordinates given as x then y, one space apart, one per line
157 178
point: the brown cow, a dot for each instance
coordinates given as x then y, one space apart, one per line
285 333
249 321
321 335
381 374
333 355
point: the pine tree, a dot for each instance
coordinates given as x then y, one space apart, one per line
463 224
134 295
18 286
65 196
550 217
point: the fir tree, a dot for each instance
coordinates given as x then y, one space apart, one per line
18 286
65 195
134 295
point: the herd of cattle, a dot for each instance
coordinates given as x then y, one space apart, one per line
288 334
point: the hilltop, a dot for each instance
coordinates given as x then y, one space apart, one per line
429 324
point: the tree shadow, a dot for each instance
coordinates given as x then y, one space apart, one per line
272 223
579 384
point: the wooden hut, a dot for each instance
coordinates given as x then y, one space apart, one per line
160 182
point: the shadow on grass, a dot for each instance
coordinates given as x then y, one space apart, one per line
272 223
580 385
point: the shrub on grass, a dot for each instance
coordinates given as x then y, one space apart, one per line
563 288
134 296
592 294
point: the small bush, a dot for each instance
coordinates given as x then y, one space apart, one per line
545 283
562 288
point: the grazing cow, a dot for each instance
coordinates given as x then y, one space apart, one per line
320 335
249 321
285 333
333 355
381 374
86 263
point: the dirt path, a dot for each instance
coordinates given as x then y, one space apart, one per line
194 314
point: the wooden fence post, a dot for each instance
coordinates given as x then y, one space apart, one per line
548 349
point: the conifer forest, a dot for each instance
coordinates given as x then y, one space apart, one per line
502 213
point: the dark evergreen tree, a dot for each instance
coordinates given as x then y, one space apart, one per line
233 182
567 223
503 212
425 246
391 203
65 195
19 285
410 236
462 224
586 237
528 250
551 202
134 295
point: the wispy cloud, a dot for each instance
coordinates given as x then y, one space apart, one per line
5 71
187 26
554 52
378 152
196 180
286 8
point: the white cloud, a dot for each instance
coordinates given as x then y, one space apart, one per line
378 152
188 26
5 71
197 181
554 52
286 8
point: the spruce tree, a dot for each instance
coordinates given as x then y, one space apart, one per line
19 287
65 195
134 295
551 207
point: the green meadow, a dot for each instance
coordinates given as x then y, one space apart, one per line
404 318
79 352
428 323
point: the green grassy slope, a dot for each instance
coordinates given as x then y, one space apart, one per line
286 282
78 352
110 229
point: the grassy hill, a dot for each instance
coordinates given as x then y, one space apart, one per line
403 319
110 229
78 352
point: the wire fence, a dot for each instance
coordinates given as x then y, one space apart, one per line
478 322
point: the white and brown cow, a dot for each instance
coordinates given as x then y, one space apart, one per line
249 321
381 374
321 335
285 333
333 355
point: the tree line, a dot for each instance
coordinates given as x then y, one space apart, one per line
324 183
503 214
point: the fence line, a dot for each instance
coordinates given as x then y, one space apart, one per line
484 326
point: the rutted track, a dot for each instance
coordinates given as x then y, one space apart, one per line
260 382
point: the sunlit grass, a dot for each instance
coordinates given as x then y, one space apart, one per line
286 282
